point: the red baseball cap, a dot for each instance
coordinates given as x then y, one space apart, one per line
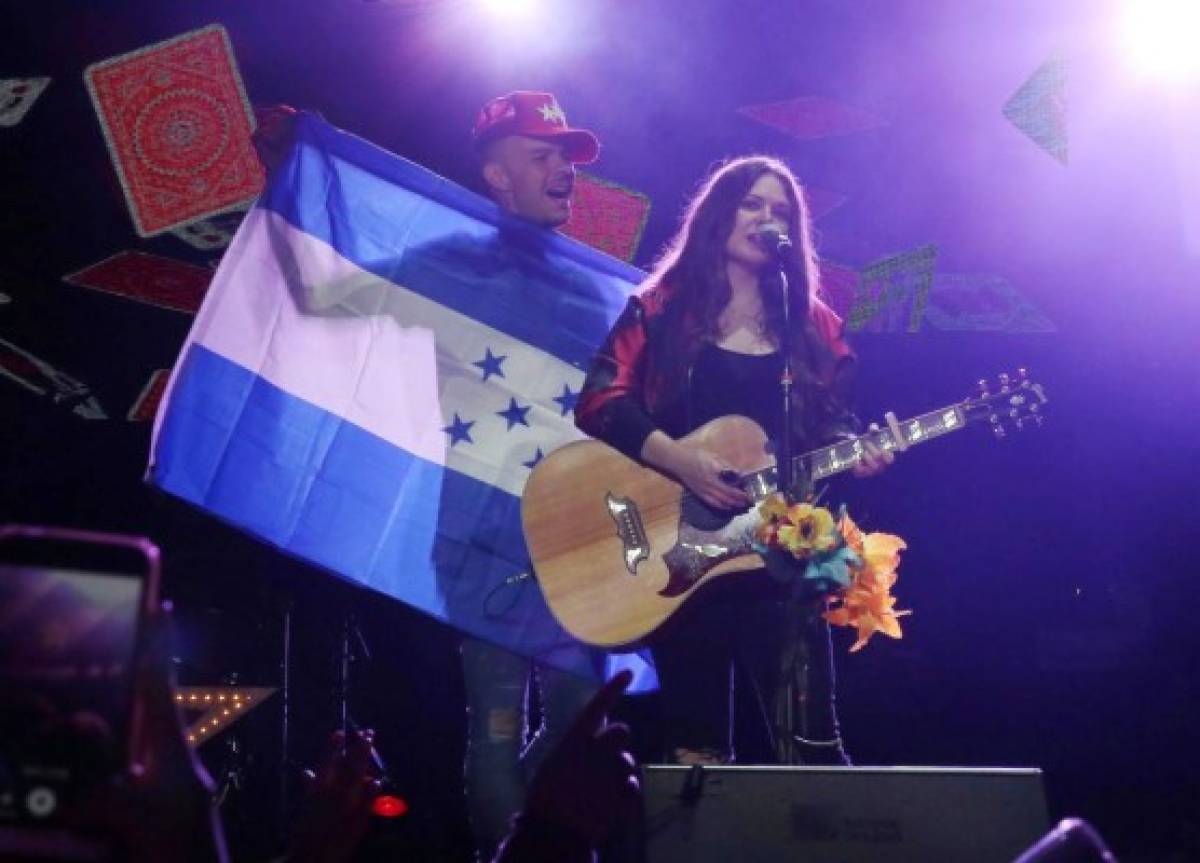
535 115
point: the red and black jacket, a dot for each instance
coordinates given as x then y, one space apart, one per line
625 397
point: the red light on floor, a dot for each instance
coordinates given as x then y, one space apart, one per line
389 806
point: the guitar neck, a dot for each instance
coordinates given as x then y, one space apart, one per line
821 463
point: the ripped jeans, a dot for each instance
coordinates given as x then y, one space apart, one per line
498 762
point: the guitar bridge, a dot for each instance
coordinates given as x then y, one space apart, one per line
706 550
630 530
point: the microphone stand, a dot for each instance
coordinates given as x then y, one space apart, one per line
787 716
785 470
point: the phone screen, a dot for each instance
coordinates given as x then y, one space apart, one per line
68 644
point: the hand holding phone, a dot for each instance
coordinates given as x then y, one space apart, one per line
93 760
73 605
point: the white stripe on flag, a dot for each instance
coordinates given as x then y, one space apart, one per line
386 359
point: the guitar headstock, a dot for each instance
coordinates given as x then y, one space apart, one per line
1014 401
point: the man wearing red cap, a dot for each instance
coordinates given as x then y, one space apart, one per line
527 156
529 153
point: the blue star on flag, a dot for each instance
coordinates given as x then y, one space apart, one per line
567 400
459 430
515 414
537 456
490 364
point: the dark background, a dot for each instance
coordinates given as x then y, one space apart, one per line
1052 575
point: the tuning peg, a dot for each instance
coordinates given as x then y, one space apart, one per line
983 387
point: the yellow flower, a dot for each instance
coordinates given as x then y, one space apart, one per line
773 507
808 529
805 531
772 510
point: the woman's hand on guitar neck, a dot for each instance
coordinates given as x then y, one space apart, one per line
701 471
874 460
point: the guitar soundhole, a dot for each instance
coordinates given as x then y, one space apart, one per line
702 516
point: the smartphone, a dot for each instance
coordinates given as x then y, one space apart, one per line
72 609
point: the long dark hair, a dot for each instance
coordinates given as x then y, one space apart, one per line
692 269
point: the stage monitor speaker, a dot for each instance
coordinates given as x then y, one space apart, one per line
841 814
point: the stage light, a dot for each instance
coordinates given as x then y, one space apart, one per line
1159 37
389 806
510 9
221 706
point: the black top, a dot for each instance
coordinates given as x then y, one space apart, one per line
726 382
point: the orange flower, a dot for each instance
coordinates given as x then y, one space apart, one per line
851 532
868 604
810 533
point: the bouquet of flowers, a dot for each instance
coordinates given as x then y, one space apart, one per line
855 571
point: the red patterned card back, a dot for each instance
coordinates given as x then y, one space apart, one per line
178 125
146 406
809 118
607 217
150 279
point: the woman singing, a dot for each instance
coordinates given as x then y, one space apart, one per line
703 340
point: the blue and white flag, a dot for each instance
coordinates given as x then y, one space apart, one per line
381 359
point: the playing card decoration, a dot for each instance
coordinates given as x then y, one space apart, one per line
144 408
839 286
982 302
150 279
42 379
607 216
1039 108
892 293
17 96
177 124
822 202
810 118
210 234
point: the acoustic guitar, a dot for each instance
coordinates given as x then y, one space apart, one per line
618 546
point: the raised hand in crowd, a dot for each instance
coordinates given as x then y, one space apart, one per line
337 811
165 807
586 787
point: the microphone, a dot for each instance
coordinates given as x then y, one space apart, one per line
773 238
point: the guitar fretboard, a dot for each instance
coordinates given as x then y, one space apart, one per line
825 462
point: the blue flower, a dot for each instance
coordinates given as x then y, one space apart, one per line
831 572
